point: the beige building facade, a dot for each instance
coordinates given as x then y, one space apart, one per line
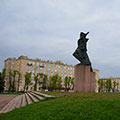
115 84
23 64
96 79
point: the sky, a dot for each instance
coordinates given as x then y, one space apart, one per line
49 30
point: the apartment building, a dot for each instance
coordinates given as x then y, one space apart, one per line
96 79
23 64
104 84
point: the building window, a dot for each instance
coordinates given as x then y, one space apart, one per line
12 66
51 65
48 65
33 67
61 66
58 66
40 64
36 67
44 64
44 72
44 68
65 67
37 63
33 71
33 63
48 69
36 71
29 63
55 70
40 68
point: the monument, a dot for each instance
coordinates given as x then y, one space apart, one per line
84 75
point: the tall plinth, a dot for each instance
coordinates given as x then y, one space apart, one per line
84 79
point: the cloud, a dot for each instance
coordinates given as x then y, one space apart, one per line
49 29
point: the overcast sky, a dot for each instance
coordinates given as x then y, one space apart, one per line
49 30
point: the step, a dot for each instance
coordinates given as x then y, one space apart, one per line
12 105
24 102
8 106
32 97
18 105
44 95
4 108
29 101
38 96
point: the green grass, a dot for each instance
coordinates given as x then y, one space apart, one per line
70 106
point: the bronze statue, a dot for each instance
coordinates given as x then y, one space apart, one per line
81 52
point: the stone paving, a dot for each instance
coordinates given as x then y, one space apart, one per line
5 99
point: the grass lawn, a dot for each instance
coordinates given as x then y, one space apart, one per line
70 106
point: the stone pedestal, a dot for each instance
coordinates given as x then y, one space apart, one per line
84 79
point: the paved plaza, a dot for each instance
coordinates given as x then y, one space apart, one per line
5 99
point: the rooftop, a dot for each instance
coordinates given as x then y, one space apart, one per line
37 59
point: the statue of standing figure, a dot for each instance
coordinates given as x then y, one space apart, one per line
81 52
